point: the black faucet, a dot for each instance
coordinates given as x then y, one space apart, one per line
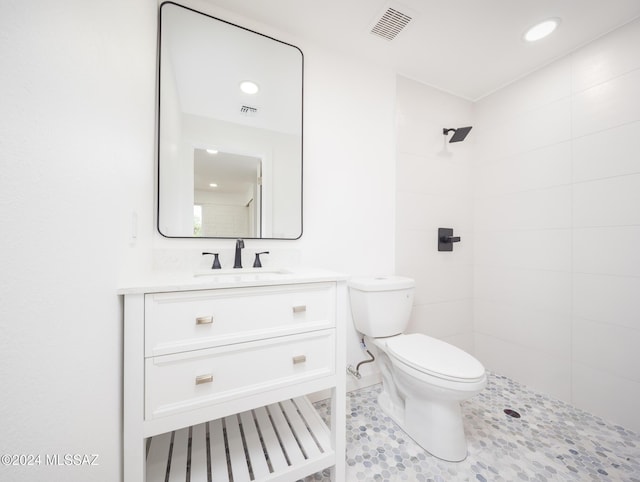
237 263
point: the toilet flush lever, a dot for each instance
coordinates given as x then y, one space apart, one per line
446 239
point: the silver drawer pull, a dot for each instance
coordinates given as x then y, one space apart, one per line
299 359
204 379
204 320
300 309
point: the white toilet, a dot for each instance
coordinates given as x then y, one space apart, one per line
423 379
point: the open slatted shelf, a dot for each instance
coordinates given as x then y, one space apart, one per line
280 442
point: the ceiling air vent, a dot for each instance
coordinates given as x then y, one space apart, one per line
248 110
391 23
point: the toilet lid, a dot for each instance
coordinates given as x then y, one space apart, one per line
435 357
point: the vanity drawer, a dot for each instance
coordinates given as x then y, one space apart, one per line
186 381
191 320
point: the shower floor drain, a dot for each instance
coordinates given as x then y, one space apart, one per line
511 413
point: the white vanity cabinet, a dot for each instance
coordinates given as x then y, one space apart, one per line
216 375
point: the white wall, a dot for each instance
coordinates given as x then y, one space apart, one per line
76 148
433 185
77 153
557 228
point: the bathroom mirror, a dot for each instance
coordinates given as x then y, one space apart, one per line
229 130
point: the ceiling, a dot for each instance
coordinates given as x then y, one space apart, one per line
233 173
469 48
207 59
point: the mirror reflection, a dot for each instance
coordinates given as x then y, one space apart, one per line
230 115
227 194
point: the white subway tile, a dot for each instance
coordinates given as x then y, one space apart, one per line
547 249
536 209
464 341
612 398
545 126
447 318
607 202
527 289
610 104
435 175
604 59
539 370
544 331
493 353
410 170
608 299
546 167
607 250
607 347
415 210
438 283
428 212
612 152
415 136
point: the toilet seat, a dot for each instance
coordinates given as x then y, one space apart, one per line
435 357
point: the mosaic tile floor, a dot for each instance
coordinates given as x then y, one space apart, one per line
552 441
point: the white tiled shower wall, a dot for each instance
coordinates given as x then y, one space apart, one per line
433 182
548 269
557 228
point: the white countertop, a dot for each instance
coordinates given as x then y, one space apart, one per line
226 278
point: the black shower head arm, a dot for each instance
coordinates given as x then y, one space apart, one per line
459 134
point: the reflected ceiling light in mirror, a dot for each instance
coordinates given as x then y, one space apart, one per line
213 184
541 30
212 151
249 87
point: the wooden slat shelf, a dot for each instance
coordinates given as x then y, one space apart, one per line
283 441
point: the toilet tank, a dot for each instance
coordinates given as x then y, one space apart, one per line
381 306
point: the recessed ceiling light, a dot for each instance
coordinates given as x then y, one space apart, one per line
213 184
212 151
541 30
249 87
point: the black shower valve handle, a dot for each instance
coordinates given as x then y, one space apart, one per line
450 239
446 239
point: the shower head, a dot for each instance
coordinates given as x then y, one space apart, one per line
459 134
